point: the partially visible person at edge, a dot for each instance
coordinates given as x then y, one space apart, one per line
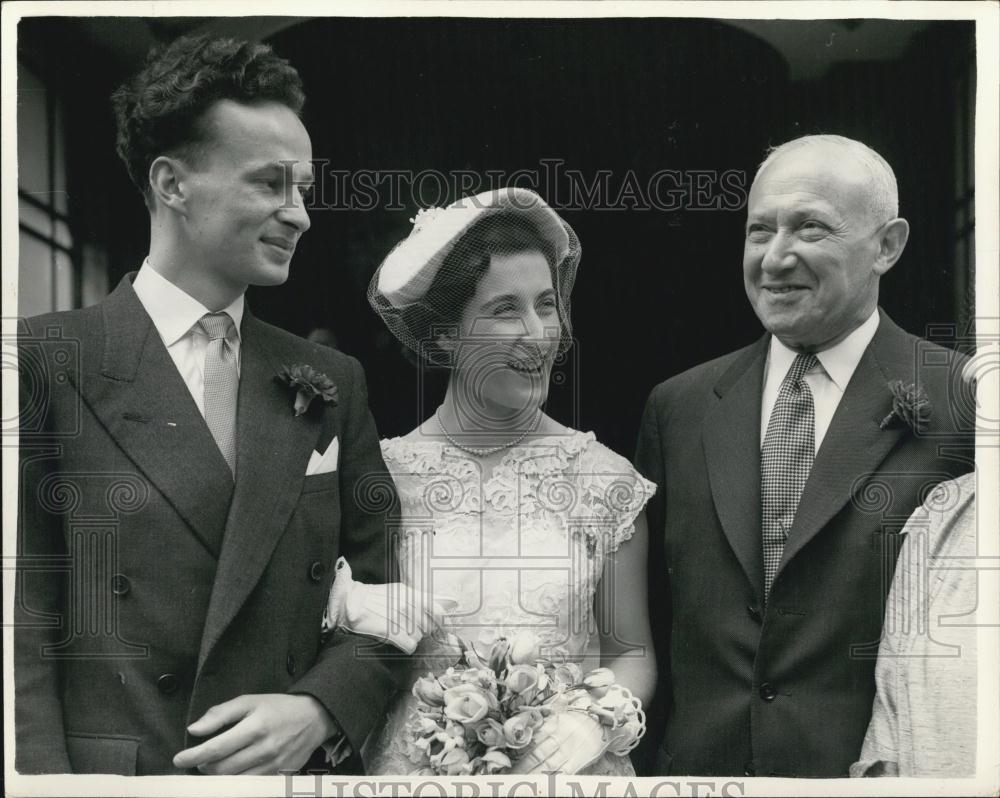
925 711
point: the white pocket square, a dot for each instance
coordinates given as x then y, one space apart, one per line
326 462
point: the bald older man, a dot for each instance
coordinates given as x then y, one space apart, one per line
784 477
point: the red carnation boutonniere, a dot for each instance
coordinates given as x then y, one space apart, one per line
308 384
910 406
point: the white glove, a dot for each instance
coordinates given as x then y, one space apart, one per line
566 742
392 612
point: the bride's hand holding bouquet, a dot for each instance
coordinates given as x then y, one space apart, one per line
514 712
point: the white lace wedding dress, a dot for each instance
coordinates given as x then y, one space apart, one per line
521 547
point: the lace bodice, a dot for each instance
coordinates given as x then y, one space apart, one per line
521 547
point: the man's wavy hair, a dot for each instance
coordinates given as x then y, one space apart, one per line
159 110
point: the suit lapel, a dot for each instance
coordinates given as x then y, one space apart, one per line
273 450
854 445
143 402
731 439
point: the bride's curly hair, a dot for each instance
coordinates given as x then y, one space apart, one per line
158 111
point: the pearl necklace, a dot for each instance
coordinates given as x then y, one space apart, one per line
480 451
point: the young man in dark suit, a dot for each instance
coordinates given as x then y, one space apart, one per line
179 516
785 471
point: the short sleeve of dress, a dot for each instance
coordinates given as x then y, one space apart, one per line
612 483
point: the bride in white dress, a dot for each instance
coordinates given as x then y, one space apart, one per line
527 524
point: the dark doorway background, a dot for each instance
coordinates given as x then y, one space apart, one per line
658 291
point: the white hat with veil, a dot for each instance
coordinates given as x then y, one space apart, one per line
415 288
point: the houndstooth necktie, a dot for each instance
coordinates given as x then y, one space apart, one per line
221 384
785 459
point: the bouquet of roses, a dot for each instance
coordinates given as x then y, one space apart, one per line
481 715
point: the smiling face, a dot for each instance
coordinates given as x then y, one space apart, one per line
243 193
811 258
508 337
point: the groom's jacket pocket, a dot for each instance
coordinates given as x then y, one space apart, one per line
94 753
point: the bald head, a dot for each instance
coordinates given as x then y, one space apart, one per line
858 162
821 230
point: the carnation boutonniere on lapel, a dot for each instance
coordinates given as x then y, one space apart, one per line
308 383
910 406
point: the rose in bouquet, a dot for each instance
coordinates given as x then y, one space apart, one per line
482 715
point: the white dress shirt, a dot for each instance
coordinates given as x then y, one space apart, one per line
827 381
175 315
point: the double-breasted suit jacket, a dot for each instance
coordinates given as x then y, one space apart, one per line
151 584
784 688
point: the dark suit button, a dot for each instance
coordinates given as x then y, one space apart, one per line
754 612
316 571
768 691
749 770
290 665
120 584
168 683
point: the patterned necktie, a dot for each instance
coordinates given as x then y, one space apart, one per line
221 384
785 459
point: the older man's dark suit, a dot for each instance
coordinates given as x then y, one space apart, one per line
150 586
784 689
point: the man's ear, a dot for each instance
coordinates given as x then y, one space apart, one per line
892 242
167 178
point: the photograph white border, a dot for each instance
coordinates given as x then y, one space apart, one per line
987 287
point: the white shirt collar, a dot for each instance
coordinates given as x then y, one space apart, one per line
173 311
839 361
